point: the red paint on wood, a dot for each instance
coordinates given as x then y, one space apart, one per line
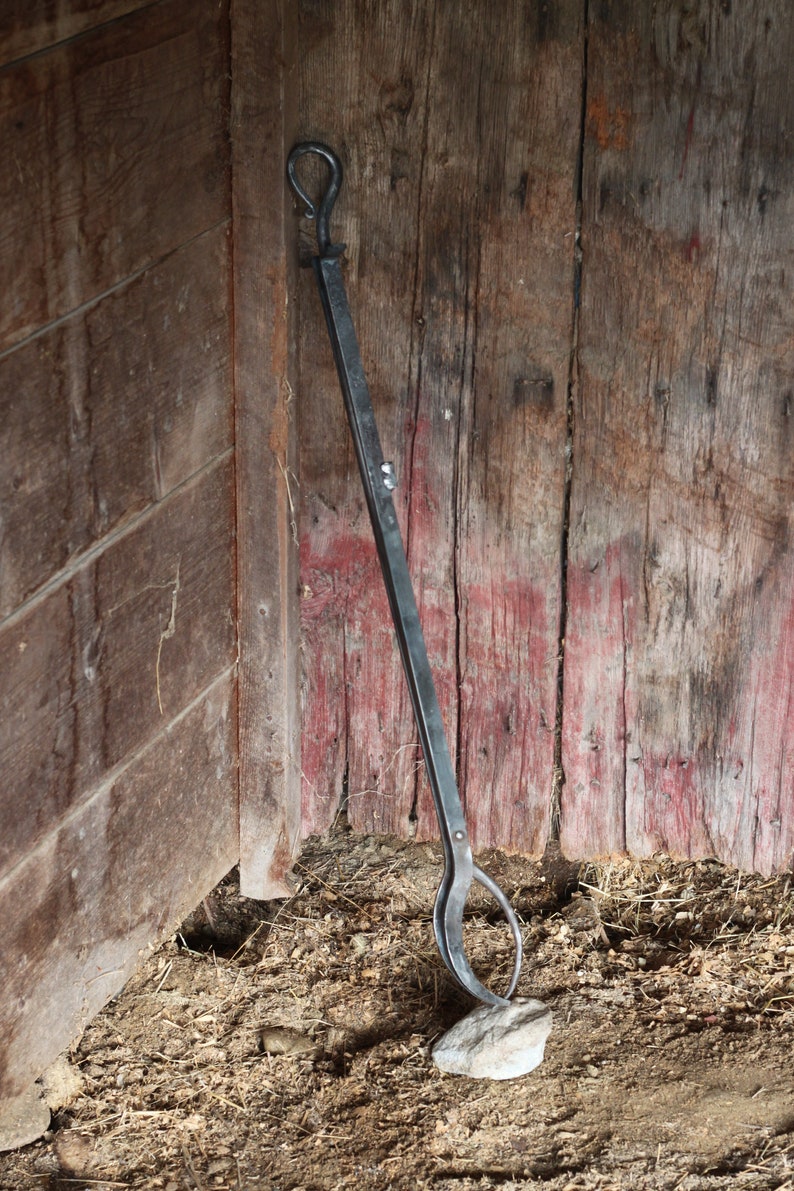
507 705
737 796
702 795
597 656
677 721
459 218
359 684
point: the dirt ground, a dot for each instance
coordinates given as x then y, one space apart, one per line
285 1046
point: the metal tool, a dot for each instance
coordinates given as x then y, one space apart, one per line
379 480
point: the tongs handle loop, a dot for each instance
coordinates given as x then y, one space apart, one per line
321 212
448 929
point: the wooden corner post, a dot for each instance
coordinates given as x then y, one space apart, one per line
263 39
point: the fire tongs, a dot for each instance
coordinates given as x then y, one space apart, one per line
379 481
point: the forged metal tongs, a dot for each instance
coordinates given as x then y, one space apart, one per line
379 481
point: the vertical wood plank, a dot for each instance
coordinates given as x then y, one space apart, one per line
679 717
363 90
496 297
263 52
458 212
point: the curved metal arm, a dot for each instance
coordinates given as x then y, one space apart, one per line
319 212
448 929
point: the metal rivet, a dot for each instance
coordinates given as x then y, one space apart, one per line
389 476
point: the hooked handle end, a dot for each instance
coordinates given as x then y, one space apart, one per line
319 212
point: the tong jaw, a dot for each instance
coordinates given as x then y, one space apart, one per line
459 873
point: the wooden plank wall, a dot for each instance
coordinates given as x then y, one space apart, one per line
467 132
669 384
678 715
458 126
118 741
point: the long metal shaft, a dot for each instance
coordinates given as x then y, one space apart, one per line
378 481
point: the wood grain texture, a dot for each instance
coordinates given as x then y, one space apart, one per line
115 876
262 53
94 668
30 26
112 409
118 740
458 211
362 89
116 151
679 711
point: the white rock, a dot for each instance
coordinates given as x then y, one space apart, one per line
496 1041
23 1119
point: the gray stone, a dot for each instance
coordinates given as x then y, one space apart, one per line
23 1119
496 1041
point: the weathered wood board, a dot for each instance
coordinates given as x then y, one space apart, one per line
30 26
678 724
118 873
93 669
458 211
116 153
263 44
118 733
110 410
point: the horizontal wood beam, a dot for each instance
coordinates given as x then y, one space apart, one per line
30 26
106 413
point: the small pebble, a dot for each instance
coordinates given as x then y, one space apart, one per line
278 1041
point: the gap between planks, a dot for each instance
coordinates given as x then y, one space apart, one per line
90 303
117 772
86 557
558 771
